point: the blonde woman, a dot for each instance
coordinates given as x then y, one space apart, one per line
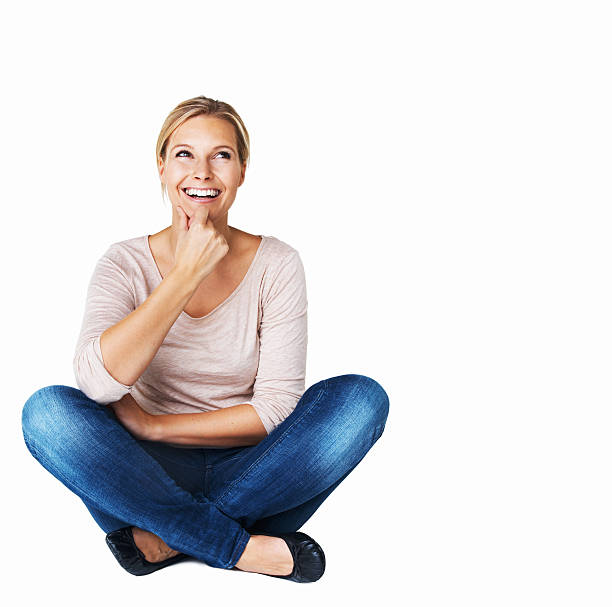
191 434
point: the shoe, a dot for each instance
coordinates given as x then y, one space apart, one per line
308 557
122 545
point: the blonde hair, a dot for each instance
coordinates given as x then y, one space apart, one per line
209 107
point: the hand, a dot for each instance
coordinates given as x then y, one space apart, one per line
199 247
137 421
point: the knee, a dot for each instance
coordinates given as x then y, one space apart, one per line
45 414
352 411
362 401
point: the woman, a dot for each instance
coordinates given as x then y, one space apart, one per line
191 435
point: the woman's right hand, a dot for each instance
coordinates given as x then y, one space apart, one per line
199 247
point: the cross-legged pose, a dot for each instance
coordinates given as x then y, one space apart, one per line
191 434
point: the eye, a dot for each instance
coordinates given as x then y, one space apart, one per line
227 154
178 154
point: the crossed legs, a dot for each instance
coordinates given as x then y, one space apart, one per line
272 487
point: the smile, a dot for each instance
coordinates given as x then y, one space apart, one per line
201 194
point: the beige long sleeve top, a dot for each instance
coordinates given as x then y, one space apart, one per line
250 349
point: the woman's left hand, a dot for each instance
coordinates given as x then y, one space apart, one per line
137 421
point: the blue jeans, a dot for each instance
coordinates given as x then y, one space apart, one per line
206 502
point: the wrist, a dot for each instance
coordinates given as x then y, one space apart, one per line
185 281
155 428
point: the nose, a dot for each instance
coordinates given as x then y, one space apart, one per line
202 170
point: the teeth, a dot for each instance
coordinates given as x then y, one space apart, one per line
198 192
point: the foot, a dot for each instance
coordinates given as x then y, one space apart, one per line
265 554
152 546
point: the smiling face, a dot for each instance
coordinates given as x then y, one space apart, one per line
202 167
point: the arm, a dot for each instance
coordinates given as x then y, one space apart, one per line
237 426
283 343
117 341
130 345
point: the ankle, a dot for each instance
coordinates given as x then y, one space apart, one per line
266 554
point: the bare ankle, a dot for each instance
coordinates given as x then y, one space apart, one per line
266 554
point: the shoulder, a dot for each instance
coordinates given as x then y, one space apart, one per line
282 263
270 246
284 276
125 248
278 252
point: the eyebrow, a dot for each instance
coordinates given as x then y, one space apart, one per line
186 145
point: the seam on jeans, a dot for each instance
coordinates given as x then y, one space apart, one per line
233 456
207 479
240 545
278 441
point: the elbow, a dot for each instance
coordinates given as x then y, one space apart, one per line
98 392
95 381
100 396
273 412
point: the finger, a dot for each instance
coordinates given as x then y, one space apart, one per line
200 216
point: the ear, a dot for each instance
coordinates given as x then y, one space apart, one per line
160 168
242 173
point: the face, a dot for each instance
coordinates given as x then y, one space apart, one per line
202 166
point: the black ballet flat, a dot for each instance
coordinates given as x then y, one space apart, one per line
122 545
308 557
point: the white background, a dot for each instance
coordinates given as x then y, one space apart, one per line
443 168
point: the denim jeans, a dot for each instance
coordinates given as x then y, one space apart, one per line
206 502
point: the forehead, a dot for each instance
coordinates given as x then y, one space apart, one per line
204 130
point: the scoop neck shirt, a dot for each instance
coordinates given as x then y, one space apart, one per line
251 348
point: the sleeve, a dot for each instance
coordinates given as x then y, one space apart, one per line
110 298
283 341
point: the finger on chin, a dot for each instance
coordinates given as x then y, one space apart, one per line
201 214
